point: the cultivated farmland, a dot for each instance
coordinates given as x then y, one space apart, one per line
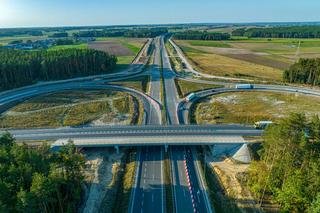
251 58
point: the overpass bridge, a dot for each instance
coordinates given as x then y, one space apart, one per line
156 135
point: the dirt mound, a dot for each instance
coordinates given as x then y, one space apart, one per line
111 47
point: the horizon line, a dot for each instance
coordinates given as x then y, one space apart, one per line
162 24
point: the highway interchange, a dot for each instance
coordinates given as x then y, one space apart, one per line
148 195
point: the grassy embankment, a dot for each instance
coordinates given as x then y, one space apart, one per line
258 59
219 201
70 109
186 87
174 58
127 177
248 107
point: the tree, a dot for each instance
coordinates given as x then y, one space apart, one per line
315 206
38 180
289 169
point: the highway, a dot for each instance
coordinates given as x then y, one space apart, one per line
133 131
184 200
154 86
148 192
170 90
152 137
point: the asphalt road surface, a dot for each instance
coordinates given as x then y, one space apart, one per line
183 197
149 192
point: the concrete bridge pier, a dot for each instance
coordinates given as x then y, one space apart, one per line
166 148
117 149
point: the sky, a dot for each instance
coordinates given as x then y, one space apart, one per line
39 13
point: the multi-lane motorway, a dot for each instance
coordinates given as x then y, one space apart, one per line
148 194
184 185
148 190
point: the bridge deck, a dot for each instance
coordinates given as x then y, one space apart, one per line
152 141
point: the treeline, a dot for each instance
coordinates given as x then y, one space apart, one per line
197 35
306 71
19 68
38 180
289 168
279 32
59 35
136 33
19 32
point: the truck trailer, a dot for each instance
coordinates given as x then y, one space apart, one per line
262 124
190 97
244 86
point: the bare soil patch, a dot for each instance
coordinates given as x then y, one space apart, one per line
227 172
111 47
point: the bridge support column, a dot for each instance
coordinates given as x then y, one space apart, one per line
166 148
117 149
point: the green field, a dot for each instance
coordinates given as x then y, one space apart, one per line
71 109
249 107
258 58
63 47
140 83
186 87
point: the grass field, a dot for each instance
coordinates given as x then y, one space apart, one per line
63 47
186 87
71 109
261 58
248 107
139 83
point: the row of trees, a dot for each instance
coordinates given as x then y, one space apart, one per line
135 33
289 168
19 68
306 71
19 32
38 180
59 35
279 32
197 35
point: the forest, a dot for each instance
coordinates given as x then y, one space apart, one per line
305 71
39 180
289 165
279 32
20 68
17 32
59 35
197 35
135 33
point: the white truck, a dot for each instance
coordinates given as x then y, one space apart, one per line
190 97
244 86
262 124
